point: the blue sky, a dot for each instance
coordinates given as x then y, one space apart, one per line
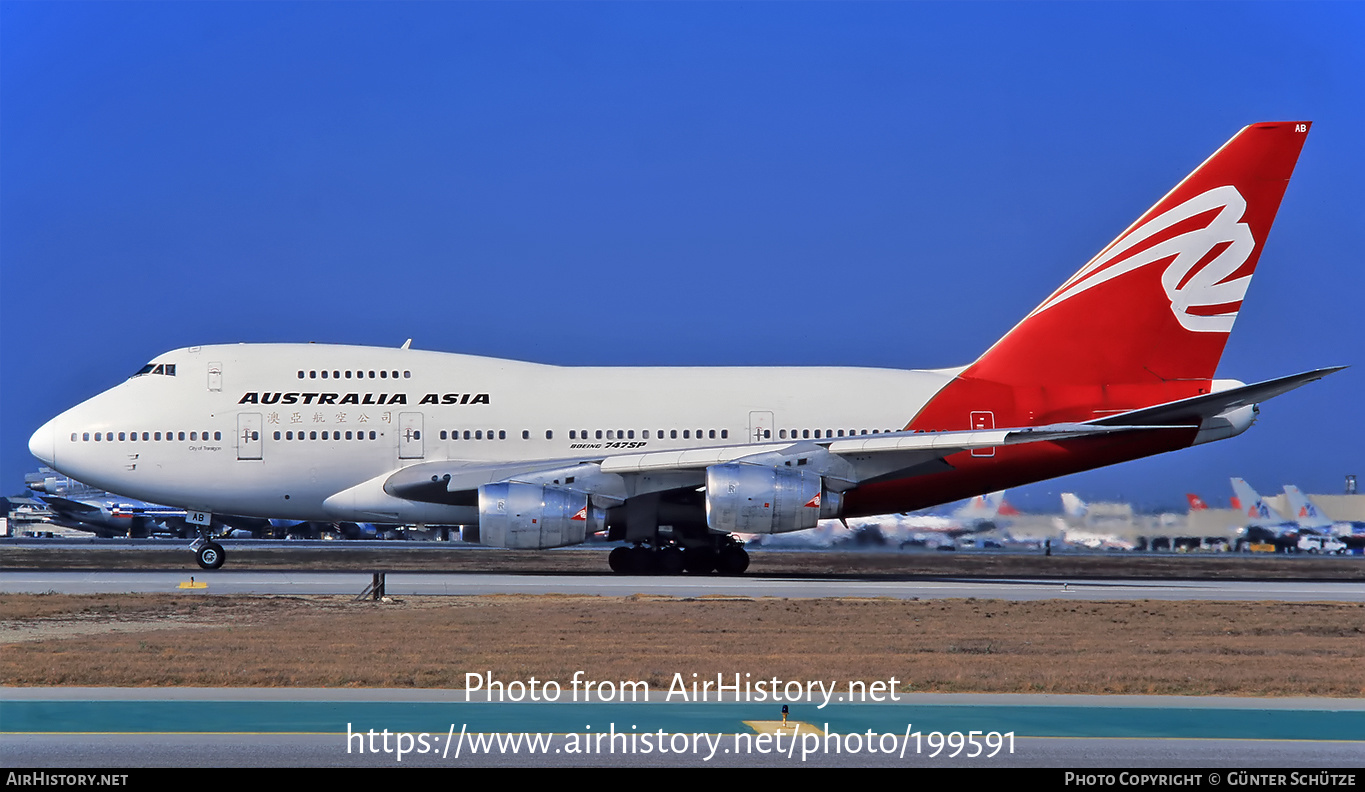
881 184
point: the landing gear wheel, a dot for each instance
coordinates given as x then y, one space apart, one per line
642 560
699 560
211 555
733 560
671 561
619 560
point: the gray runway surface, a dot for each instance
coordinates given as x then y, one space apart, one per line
405 583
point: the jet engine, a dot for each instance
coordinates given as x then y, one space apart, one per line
766 500
531 517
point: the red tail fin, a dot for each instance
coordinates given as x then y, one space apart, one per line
1145 321
1196 503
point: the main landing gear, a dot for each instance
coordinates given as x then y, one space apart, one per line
208 553
727 557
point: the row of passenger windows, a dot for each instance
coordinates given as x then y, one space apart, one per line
582 434
478 434
806 434
629 434
131 436
338 374
326 435
672 434
481 434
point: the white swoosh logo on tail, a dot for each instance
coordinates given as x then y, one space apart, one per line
1203 298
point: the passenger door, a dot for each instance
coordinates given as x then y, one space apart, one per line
760 426
410 435
249 441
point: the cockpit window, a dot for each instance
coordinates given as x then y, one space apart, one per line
157 368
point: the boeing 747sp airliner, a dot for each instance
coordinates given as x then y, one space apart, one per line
1118 363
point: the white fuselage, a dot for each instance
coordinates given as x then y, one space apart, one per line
274 430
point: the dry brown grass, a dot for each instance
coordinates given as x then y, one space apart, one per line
1198 648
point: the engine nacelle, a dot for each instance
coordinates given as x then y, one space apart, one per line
765 500
531 517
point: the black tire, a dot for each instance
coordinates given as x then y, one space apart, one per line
733 561
671 561
619 560
642 561
211 555
699 560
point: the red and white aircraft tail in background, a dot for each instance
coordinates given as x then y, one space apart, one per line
1117 364
1196 503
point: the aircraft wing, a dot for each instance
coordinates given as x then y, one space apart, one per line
68 506
924 445
844 463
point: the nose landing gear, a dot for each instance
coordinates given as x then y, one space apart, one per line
208 553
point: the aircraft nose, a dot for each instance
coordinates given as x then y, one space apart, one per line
43 444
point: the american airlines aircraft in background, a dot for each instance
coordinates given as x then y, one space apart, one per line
1118 363
1309 531
1262 522
1307 514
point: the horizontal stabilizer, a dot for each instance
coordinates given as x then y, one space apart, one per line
1196 408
